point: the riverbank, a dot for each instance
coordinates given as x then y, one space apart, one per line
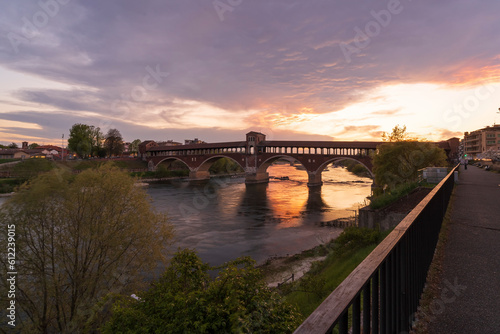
278 270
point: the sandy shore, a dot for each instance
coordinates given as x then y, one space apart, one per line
281 269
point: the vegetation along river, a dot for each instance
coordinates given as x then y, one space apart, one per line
224 219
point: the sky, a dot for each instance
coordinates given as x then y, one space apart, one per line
216 69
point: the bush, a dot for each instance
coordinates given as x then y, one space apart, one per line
391 196
78 238
356 237
9 185
186 300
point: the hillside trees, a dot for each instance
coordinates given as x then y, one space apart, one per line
78 238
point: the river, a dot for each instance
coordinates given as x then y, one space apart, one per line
224 219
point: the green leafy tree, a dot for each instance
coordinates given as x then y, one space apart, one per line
114 143
134 146
97 140
398 134
186 300
13 145
33 145
398 162
78 238
85 140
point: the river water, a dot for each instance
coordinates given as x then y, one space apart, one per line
224 219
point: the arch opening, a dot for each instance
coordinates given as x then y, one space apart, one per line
356 170
171 166
220 164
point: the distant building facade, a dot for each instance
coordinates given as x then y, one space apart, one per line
193 141
13 153
482 143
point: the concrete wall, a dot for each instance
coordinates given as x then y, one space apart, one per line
379 218
434 174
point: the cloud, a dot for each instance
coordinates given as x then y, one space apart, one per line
261 57
353 132
386 112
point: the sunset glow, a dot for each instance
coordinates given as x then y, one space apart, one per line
294 70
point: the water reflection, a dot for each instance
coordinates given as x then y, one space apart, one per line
315 201
223 218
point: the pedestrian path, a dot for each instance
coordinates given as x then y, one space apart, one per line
469 297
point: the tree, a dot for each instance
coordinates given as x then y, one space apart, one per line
186 300
398 134
97 139
13 145
114 142
398 162
134 146
85 140
33 145
77 239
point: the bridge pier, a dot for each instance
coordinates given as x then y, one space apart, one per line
199 175
253 178
314 179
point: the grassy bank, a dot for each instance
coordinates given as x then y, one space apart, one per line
389 197
80 165
343 255
355 167
9 185
22 172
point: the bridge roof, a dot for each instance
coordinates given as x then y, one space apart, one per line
322 144
232 144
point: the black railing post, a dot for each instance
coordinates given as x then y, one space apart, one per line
356 315
383 298
344 323
366 308
397 271
375 302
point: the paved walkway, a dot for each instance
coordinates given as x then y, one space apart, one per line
469 300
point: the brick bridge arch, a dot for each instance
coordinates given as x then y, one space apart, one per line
256 154
314 165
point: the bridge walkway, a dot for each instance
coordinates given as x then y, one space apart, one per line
469 290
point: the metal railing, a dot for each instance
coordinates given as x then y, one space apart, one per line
382 294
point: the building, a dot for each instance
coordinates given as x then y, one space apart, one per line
145 146
13 153
452 149
193 141
482 143
169 142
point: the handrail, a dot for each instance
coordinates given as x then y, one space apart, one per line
391 278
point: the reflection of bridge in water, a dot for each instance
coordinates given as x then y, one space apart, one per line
256 154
